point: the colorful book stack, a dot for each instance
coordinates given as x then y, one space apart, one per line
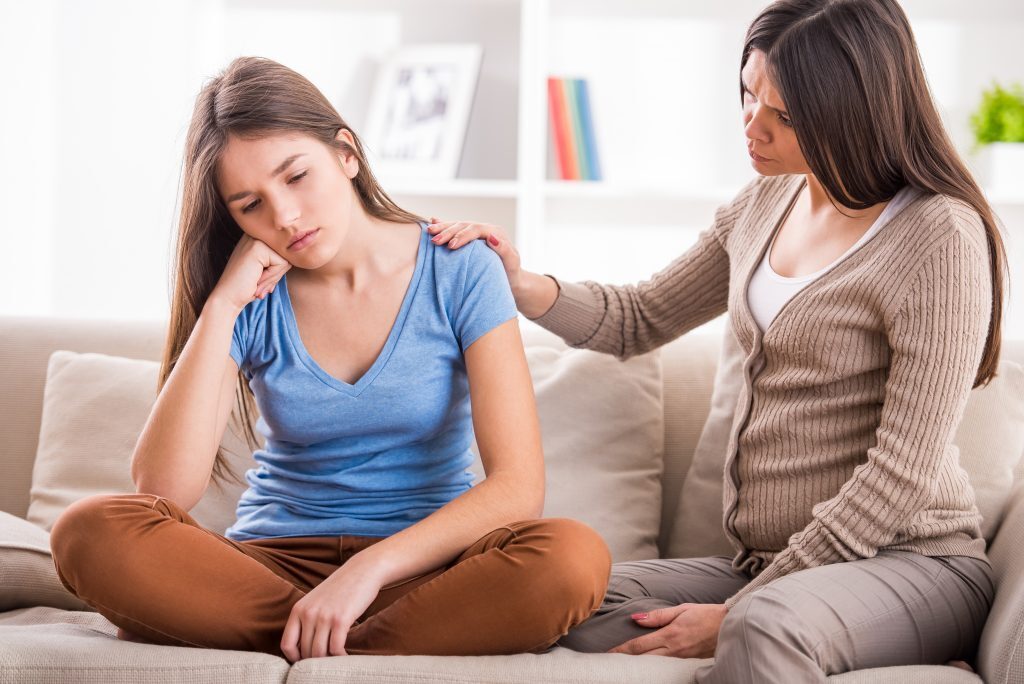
572 127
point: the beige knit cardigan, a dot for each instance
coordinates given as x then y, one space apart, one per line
841 441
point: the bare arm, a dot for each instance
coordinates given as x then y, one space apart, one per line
175 452
174 455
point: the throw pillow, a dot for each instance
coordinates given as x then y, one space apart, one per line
94 408
603 430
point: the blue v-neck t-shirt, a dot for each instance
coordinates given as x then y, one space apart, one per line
374 457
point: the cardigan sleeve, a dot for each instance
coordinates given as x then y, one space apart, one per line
626 320
936 338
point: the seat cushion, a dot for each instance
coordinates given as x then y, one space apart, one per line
27 575
1001 651
51 646
559 665
562 665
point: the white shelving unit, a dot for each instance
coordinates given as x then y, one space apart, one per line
663 78
663 81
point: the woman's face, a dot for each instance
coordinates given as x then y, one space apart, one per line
771 140
282 186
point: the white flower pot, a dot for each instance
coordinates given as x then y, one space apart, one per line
1003 167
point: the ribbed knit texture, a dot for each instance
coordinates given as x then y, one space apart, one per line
841 443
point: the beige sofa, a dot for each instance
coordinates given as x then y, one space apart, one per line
641 447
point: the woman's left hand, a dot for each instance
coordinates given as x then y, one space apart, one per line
320 620
689 630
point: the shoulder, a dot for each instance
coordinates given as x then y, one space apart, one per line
936 219
940 246
455 266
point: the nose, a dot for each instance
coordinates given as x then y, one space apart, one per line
754 127
286 215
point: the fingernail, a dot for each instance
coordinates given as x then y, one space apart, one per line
493 240
453 242
639 616
435 238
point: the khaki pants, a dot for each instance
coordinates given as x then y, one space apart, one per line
898 608
148 567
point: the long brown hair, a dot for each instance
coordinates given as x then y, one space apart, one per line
850 74
251 98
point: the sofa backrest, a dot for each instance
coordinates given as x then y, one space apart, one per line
689 365
25 347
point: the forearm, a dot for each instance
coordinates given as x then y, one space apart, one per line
439 538
627 320
175 451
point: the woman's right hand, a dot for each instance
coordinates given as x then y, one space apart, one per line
456 234
534 294
252 271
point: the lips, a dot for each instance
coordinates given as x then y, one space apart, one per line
755 156
300 236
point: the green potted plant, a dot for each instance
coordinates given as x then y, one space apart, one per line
998 126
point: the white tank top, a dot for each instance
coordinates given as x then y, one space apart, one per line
769 292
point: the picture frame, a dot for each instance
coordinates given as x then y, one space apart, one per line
417 118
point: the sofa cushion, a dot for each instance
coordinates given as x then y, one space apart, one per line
94 407
696 529
991 441
562 665
27 575
1001 651
603 431
559 665
990 438
50 646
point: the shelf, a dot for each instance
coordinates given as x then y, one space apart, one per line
459 187
596 190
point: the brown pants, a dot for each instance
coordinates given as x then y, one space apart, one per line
148 567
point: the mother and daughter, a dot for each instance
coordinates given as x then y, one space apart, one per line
863 272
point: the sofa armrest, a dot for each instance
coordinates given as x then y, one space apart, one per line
1001 653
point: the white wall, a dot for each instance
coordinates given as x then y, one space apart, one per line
98 94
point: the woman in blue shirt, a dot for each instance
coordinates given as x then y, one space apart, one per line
365 346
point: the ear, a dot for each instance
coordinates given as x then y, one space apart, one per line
347 158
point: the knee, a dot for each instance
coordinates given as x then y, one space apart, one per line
578 562
765 620
94 527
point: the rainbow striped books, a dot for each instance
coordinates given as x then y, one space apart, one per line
572 129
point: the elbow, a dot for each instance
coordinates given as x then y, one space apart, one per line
521 495
185 495
185 498
531 502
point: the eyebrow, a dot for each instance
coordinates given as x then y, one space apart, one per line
743 83
280 167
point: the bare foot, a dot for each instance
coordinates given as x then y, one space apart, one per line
125 635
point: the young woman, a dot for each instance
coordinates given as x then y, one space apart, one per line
365 346
863 272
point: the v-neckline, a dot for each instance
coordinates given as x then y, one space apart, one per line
355 388
748 314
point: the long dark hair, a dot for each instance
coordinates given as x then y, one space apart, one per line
851 77
252 97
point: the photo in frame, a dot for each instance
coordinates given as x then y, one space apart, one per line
416 122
